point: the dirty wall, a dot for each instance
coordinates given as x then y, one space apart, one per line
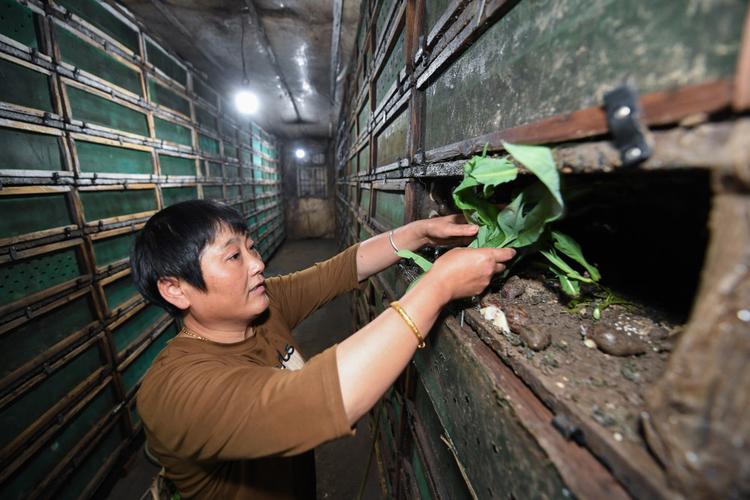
637 393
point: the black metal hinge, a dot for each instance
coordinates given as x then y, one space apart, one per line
623 120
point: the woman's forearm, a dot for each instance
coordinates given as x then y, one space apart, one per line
376 254
370 360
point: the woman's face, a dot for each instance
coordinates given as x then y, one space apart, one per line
235 292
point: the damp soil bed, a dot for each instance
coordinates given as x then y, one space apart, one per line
606 388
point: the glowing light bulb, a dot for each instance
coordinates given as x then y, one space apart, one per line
246 102
300 153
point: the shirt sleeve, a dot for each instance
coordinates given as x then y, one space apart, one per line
299 294
207 411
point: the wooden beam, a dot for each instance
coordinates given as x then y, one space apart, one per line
658 108
265 42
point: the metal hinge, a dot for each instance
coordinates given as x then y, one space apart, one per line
623 120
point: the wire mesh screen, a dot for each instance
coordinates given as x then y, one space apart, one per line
311 181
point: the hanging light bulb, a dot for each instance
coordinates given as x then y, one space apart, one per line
245 101
300 153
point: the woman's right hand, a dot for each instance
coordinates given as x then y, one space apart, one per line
465 272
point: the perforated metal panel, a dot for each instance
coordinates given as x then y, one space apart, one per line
94 157
31 275
29 151
24 86
33 213
87 57
89 107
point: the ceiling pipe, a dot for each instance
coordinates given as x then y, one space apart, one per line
266 44
338 7
169 16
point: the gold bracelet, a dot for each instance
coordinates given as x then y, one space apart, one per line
409 322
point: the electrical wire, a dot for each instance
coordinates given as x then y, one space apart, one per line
242 51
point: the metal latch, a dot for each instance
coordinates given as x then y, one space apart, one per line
629 134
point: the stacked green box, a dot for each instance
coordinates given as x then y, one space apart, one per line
119 153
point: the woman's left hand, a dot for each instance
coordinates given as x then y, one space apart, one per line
451 230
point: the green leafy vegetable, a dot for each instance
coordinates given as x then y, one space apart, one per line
425 264
524 221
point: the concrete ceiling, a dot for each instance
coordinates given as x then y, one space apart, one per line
287 52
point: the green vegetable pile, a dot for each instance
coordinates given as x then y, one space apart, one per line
525 221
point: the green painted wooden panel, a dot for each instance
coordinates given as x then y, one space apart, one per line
23 86
178 194
109 250
105 204
33 213
205 92
212 169
231 171
557 56
420 476
213 193
246 157
156 56
143 320
394 62
166 97
382 21
364 200
19 279
433 9
362 30
175 165
91 465
29 407
364 159
18 22
134 416
93 12
205 118
89 58
233 192
94 157
231 151
172 132
392 140
389 208
91 108
363 115
447 473
208 145
120 291
499 455
133 374
42 463
29 151
40 333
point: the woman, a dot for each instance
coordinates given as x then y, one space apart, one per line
229 407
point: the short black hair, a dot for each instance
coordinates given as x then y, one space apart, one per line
171 242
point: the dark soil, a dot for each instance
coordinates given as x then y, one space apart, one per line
609 388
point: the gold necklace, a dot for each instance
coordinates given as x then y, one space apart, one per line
188 333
